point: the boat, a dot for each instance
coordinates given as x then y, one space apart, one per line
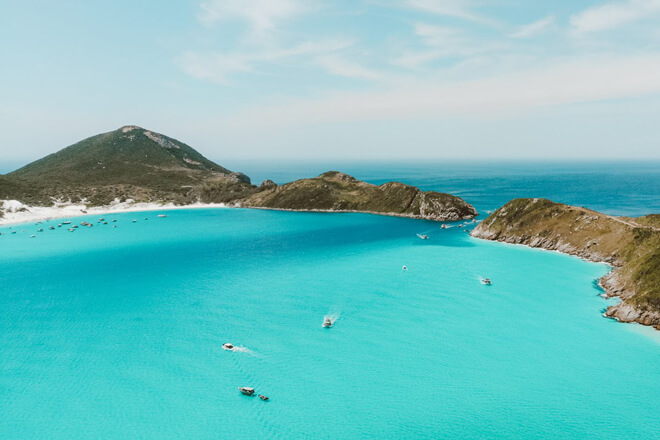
72 229
228 346
262 397
40 230
486 282
423 236
52 228
134 221
114 221
32 236
161 215
443 226
327 322
247 391
404 268
66 223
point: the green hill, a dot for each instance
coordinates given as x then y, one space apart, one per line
130 162
337 192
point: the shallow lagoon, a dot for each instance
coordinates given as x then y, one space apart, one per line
117 333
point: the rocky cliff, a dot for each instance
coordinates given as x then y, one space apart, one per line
338 192
630 245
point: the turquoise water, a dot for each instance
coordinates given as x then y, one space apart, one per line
116 333
616 188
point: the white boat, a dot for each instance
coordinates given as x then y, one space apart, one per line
486 282
246 391
161 215
262 397
228 346
404 268
327 322
443 226
423 236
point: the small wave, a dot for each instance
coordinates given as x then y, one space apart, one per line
242 349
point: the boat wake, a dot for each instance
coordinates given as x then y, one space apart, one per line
331 318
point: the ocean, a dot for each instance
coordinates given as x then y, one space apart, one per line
117 333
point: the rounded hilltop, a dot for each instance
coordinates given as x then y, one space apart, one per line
145 166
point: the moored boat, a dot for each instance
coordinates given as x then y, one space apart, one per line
247 391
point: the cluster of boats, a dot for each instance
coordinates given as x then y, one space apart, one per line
72 227
328 322
249 391
246 391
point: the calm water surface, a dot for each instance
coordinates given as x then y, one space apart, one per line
116 333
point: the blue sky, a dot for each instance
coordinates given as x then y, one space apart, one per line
317 79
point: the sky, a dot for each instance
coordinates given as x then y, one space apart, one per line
320 79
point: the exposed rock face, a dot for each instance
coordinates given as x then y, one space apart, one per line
632 246
267 184
339 192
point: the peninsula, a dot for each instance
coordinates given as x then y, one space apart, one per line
630 245
133 165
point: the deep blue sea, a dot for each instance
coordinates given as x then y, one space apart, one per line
117 333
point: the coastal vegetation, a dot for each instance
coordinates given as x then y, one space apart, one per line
138 165
630 245
339 192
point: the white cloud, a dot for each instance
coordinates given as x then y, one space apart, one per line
218 67
613 15
340 66
454 8
578 80
440 42
262 15
534 28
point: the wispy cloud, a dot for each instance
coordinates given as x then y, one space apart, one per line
340 66
453 8
535 28
440 42
570 81
613 15
262 15
219 67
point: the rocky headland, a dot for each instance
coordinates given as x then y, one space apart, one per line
630 245
133 165
338 192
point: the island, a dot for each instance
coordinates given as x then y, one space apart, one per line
134 165
338 192
630 245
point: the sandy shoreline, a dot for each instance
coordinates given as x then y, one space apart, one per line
16 213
